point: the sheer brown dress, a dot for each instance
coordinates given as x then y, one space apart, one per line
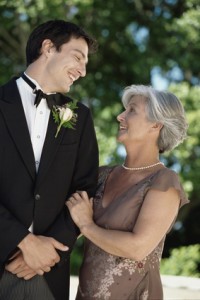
105 276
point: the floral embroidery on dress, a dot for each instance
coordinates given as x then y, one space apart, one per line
145 295
110 266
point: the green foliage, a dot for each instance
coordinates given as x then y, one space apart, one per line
183 261
185 159
76 256
188 154
108 145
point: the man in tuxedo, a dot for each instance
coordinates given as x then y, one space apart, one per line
39 170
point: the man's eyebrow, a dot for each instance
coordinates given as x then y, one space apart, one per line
82 54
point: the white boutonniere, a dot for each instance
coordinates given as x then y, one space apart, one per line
64 115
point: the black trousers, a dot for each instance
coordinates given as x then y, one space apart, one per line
14 288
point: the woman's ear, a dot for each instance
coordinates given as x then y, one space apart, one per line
157 126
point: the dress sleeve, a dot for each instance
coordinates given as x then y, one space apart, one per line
103 174
165 179
104 171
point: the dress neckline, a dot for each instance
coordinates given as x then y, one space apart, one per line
109 170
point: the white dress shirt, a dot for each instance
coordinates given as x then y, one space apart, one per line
36 117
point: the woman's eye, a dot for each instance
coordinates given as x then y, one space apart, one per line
77 58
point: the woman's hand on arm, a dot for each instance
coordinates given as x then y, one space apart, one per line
81 209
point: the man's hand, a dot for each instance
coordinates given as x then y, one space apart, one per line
39 252
18 267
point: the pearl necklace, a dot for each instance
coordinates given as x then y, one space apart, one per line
142 168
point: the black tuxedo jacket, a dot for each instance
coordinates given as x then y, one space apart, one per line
68 163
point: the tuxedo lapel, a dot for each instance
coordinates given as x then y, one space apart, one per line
50 147
13 113
51 144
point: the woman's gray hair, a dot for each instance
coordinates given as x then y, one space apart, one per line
164 108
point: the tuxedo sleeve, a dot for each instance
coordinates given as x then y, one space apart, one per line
86 168
12 232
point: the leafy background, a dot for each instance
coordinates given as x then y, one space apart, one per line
140 42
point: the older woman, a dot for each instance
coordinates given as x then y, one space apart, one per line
136 203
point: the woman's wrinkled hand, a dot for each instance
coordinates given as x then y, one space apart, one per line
81 208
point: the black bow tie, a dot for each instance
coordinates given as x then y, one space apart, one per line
52 99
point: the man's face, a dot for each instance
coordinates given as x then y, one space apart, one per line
65 66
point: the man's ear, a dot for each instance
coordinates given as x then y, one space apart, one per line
46 46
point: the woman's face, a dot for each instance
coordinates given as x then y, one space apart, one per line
133 123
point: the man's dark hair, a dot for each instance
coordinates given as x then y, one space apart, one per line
59 32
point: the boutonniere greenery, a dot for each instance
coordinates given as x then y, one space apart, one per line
65 116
